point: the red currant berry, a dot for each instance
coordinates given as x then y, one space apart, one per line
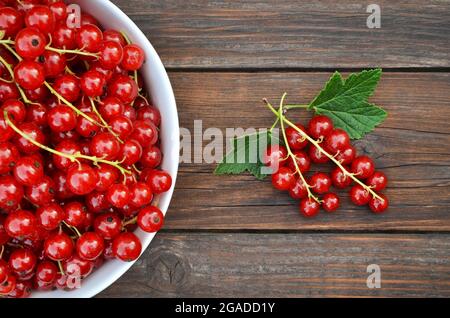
320 127
111 107
330 202
127 247
92 83
363 167
97 202
111 54
75 214
58 247
9 285
90 246
11 192
145 133
108 225
316 155
28 171
151 157
130 152
320 182
68 86
40 17
50 216
81 179
118 195
22 261
9 155
4 271
159 181
16 110
122 126
309 207
133 57
339 179
20 224
379 205
113 35
141 194
303 162
76 266
89 37
30 43
87 128
42 192
295 139
377 181
124 88
298 191
107 176
275 156
46 272
11 21
33 132
337 140
60 187
63 37
149 113
37 114
347 155
67 147
150 219
283 179
59 10
359 195
105 145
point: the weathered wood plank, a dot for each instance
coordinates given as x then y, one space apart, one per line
288 265
412 147
294 34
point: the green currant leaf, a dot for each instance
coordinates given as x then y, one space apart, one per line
246 155
345 102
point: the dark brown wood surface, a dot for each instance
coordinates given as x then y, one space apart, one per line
231 236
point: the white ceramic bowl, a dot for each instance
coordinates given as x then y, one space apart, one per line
158 85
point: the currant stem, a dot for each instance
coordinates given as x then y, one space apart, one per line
78 52
293 106
72 158
61 269
105 124
291 154
1 251
73 228
331 157
128 222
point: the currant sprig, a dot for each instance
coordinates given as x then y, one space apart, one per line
72 157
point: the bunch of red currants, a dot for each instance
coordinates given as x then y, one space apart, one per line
325 143
79 147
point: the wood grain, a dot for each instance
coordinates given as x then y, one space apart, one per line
294 34
288 265
412 147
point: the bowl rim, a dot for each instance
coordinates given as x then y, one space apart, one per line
139 37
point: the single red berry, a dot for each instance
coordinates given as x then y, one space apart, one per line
150 219
118 195
74 214
149 113
347 155
107 176
111 54
50 216
63 36
122 126
275 156
33 132
377 181
151 157
87 128
113 35
363 167
68 86
133 57
81 179
29 74
28 171
110 107
283 179
46 272
145 133
298 191
37 114
130 152
75 266
9 285
11 21
22 261
141 194
30 43
90 246
309 207
60 188
4 271
97 202
67 147
59 10
316 155
9 155
89 38
339 179
359 195
21 290
105 145
58 247
42 192
92 83
20 224
124 88
337 140
40 17
108 225
16 110
127 247
303 162
159 181
11 192
379 205
320 182
295 139
330 202
320 126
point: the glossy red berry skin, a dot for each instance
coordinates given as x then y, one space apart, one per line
110 107
339 179
320 126
151 157
330 202
149 113
303 162
89 37
107 176
87 128
275 156
9 285
68 86
15 109
118 195
40 17
111 54
309 207
105 145
11 192
127 247
20 224
359 195
377 181
4 271
283 179
363 167
159 181
11 21
337 140
75 214
9 155
50 216
141 194
46 272
41 193
320 182
97 202
63 36
29 74
81 179
22 261
316 155
28 171
130 152
150 219
298 190
145 133
58 247
121 126
133 57
75 266
34 132
54 63
90 246
92 83
347 155
124 88
295 139
30 43
108 225
379 205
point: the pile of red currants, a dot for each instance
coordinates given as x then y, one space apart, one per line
325 143
79 147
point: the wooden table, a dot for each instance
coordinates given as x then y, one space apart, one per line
229 236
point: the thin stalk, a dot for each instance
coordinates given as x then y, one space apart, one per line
105 124
331 157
